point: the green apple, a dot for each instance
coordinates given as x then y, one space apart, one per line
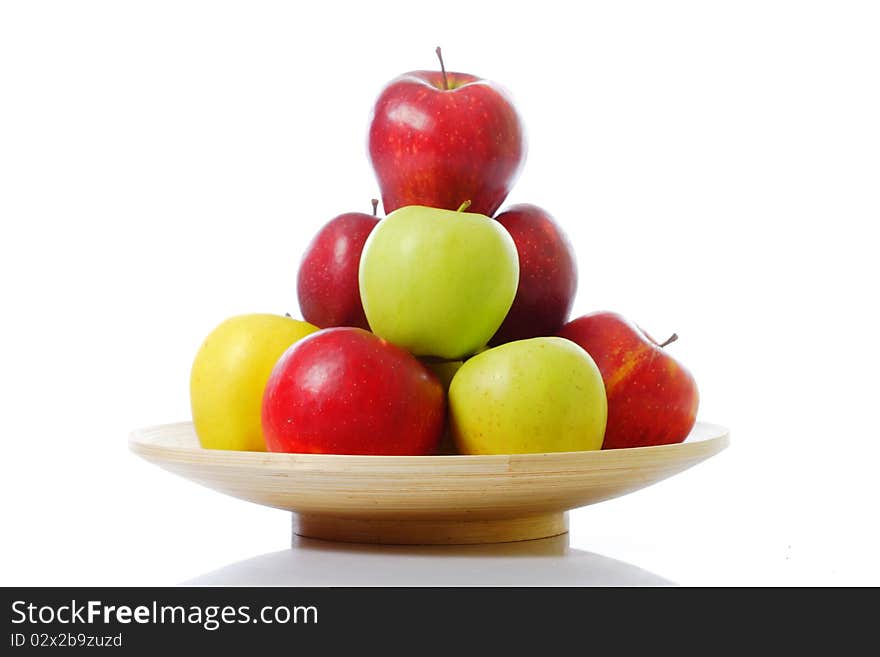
438 282
537 395
445 371
229 375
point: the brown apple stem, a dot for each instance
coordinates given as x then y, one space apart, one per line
375 203
442 69
464 206
287 315
672 338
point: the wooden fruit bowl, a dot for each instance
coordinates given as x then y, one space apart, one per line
424 499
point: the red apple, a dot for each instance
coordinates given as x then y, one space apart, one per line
547 275
652 398
440 139
327 282
347 391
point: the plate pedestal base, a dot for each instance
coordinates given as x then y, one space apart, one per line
393 531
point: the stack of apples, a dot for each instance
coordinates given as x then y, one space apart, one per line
443 327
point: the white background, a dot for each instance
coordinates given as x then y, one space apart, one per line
716 164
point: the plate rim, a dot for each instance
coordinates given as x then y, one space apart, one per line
139 444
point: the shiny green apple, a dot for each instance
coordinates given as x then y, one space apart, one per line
537 395
438 282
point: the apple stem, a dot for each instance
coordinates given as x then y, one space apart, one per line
287 315
464 206
375 203
442 69
672 338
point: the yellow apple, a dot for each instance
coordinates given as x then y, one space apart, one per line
229 375
537 395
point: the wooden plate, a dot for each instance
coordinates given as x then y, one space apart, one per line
424 499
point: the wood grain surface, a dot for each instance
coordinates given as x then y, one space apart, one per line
424 499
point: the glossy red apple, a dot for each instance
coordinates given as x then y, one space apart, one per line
547 275
439 139
347 391
327 281
652 398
